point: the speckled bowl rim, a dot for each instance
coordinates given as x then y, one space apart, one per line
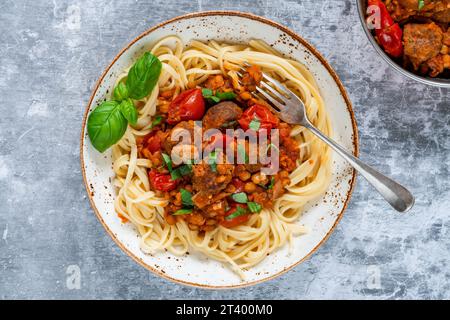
294 36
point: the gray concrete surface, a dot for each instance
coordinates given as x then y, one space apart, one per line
51 54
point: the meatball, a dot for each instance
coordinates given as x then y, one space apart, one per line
221 114
422 42
205 179
208 182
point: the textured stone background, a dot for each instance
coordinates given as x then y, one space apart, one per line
51 54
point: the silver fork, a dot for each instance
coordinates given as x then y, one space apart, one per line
289 108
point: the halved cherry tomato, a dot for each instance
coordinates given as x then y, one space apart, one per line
389 34
162 181
391 40
259 113
235 221
189 105
153 142
385 17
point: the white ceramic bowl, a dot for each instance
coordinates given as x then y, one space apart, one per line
321 217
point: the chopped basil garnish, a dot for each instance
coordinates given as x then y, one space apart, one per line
272 146
175 174
226 95
207 92
179 172
213 161
167 161
272 182
421 4
254 207
182 212
212 98
186 197
255 124
185 169
242 153
240 197
239 212
157 121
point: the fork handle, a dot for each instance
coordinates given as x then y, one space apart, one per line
394 193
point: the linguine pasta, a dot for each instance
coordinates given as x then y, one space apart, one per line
246 245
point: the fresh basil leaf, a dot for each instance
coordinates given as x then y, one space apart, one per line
272 182
129 111
240 197
108 122
106 125
207 92
226 95
254 207
255 124
185 169
186 197
121 92
182 212
158 119
239 212
143 76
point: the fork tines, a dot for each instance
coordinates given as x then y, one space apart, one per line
272 90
